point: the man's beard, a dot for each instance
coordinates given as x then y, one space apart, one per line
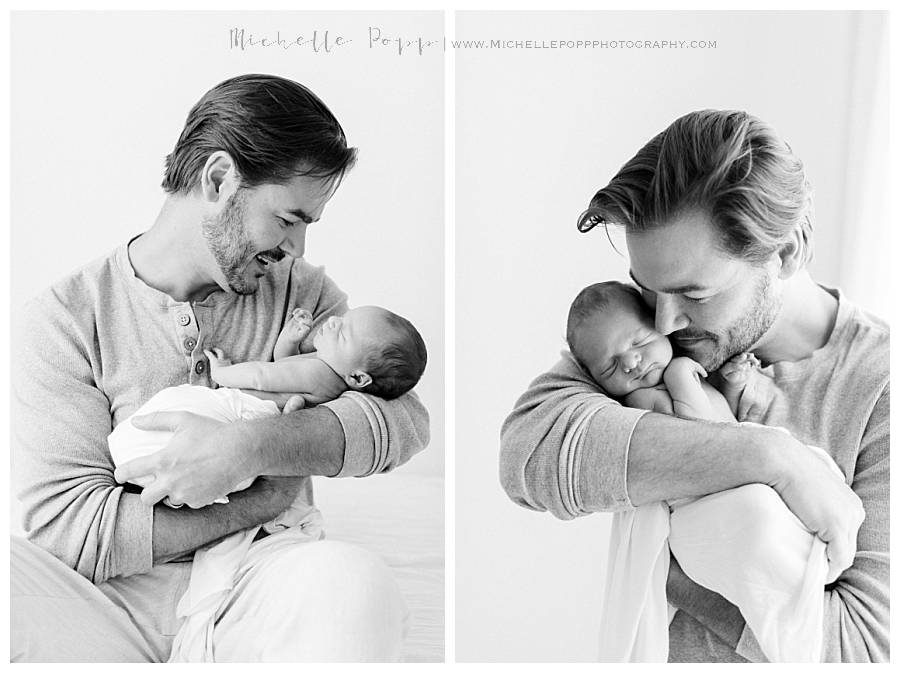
742 334
227 240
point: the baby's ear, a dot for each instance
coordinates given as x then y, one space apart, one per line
357 379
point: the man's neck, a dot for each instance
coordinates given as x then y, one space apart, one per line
167 257
804 323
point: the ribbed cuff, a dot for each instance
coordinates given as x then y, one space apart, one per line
359 436
132 544
600 484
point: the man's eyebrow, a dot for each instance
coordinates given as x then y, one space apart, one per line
681 289
299 212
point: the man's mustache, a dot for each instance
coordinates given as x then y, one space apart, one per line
689 334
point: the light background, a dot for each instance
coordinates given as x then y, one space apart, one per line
99 99
537 133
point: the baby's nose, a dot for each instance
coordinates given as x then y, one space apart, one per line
631 360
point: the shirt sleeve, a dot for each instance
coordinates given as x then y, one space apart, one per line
62 471
857 606
556 457
379 434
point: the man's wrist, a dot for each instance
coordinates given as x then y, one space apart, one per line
252 440
770 456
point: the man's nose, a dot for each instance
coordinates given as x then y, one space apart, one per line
295 243
669 317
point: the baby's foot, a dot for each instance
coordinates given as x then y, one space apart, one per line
736 371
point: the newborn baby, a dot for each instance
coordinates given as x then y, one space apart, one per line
743 543
368 349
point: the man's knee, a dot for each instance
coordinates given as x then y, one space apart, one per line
349 570
320 601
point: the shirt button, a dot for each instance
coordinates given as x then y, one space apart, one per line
200 367
189 344
184 319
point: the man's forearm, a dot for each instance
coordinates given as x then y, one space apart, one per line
178 531
304 443
671 458
706 606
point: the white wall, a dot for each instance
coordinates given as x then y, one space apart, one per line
98 100
538 132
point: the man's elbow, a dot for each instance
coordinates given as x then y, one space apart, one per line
526 487
55 541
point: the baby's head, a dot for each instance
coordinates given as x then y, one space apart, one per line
612 336
373 350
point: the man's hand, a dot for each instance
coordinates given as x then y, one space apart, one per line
823 502
205 460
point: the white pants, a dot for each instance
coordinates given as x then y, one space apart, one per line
314 601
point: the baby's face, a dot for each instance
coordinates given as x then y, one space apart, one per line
622 349
343 341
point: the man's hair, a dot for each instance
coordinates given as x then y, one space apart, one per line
726 164
273 128
397 366
590 301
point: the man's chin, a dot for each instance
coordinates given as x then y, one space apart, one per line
704 352
243 286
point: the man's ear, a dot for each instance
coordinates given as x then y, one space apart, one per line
218 179
791 254
357 379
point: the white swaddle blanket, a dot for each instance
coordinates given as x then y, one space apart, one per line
216 567
744 544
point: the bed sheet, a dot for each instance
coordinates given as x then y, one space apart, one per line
400 517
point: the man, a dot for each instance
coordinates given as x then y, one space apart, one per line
256 163
716 215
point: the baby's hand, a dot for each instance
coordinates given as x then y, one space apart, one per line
299 325
216 359
737 369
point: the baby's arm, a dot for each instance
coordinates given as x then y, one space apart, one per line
682 378
692 397
303 375
655 399
295 331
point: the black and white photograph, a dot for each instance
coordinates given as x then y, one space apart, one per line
674 227
538 335
228 339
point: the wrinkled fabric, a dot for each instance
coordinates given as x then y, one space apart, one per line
214 575
744 544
